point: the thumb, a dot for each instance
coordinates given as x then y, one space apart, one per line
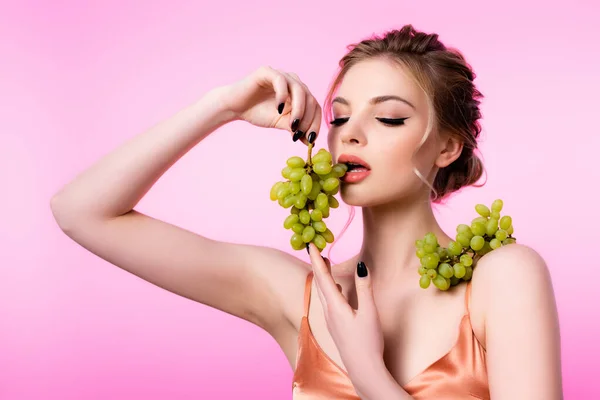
364 289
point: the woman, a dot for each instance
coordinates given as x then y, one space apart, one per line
407 108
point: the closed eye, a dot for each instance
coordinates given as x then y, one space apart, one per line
339 121
392 121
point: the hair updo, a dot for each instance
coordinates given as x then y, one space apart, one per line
447 80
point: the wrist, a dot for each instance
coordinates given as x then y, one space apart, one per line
215 103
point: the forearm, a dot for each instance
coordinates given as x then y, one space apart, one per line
379 384
116 183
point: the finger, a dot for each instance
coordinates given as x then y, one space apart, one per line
279 83
315 124
298 102
328 287
364 290
309 114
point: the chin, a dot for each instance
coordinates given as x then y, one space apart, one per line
372 194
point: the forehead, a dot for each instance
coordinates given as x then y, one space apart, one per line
380 77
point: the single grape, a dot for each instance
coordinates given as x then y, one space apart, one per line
446 270
491 227
505 222
322 201
495 243
501 234
478 228
339 170
441 283
328 236
308 234
315 190
297 242
482 210
290 221
286 172
283 191
509 241
422 270
326 212
510 230
454 248
464 228
466 260
430 238
274 189
298 228
319 226
497 205
430 260
459 270
432 273
295 162
421 252
333 203
295 210
479 219
289 201
454 281
495 215
300 200
297 174
322 168
430 248
464 239
316 215
442 252
330 184
468 274
477 243
306 184
419 243
304 217
319 241
425 281
322 157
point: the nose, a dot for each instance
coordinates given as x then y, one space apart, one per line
353 133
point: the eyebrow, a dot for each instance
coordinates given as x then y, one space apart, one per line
376 100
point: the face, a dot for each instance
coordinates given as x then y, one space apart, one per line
380 115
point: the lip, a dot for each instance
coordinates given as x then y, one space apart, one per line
350 158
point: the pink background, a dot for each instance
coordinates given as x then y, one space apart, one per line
77 80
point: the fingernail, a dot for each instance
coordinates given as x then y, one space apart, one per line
311 137
307 248
361 269
295 125
297 135
280 108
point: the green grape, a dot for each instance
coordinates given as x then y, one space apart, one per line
432 273
315 191
297 242
454 281
446 270
495 243
297 174
322 168
482 210
295 187
333 192
419 243
286 172
486 249
466 260
421 253
454 248
308 234
325 212
425 281
330 184
304 217
430 260
495 215
509 241
300 200
283 191
430 248
459 270
477 243
316 215
333 203
510 230
322 201
479 219
274 189
319 226
328 236
295 210
306 184
339 170
295 162
430 238
478 228
468 274
319 241
288 201
464 239
505 222
497 205
464 228
422 270
321 157
441 283
442 252
501 234
290 221
491 227
298 228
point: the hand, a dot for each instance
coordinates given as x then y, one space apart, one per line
274 99
356 333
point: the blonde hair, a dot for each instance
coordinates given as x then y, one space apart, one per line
447 80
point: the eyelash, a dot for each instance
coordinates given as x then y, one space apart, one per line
386 121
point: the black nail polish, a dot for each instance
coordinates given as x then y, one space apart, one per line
295 125
311 137
361 269
307 248
280 108
297 135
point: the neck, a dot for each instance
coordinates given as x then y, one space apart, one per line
389 235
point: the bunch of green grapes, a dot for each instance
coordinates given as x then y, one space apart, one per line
309 192
448 266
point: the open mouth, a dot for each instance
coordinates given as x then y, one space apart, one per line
357 168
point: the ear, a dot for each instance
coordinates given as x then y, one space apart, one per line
450 151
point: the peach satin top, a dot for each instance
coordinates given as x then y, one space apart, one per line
459 374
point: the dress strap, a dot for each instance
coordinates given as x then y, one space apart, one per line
307 293
467 297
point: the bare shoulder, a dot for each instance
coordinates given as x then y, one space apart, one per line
513 279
